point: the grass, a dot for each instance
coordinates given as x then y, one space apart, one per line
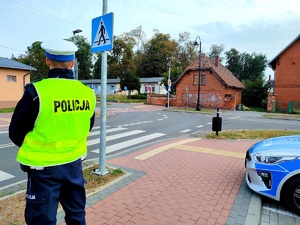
7 110
12 208
122 99
250 134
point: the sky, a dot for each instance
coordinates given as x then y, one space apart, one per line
260 26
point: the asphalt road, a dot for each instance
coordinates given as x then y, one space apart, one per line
130 127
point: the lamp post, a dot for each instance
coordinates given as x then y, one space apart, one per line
76 63
198 108
169 83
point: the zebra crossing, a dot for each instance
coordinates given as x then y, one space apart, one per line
117 138
113 136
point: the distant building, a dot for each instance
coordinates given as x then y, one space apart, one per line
151 84
286 67
219 88
13 77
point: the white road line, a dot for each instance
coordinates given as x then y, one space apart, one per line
4 132
7 145
199 126
185 131
113 137
107 131
5 176
131 142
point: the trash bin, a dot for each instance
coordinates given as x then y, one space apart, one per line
239 107
217 123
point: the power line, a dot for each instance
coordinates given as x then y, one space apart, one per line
2 46
38 12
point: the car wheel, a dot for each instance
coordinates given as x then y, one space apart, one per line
292 195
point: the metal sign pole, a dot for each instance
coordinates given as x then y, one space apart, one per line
102 151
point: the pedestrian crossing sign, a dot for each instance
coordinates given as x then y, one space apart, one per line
102 33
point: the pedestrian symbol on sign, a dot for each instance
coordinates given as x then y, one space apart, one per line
101 38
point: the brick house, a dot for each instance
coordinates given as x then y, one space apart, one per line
13 77
286 67
219 88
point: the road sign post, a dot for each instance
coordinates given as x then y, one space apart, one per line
102 41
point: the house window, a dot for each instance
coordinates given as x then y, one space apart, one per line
146 90
11 78
153 89
195 80
203 80
227 95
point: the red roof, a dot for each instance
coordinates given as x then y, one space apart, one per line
226 77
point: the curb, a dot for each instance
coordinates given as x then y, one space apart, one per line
254 211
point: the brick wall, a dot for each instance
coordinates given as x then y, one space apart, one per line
159 99
287 79
213 95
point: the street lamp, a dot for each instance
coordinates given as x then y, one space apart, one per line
76 32
198 108
76 63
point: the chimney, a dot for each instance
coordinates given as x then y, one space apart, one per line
217 61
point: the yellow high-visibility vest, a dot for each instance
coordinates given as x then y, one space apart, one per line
62 126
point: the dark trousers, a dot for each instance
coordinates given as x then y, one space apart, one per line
46 188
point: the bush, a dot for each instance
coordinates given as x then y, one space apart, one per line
139 96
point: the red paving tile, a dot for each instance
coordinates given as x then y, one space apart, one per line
179 187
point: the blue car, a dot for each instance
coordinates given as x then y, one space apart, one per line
273 169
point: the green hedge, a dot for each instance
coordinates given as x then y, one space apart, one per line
139 96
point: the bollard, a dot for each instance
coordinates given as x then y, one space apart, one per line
217 123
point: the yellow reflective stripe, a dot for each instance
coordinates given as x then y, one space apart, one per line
49 157
53 145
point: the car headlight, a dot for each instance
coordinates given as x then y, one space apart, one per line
273 159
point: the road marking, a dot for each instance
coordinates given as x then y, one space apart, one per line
5 119
107 131
212 151
199 126
185 131
164 148
131 142
7 145
137 123
113 137
5 176
4 132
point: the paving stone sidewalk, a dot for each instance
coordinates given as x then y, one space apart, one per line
183 181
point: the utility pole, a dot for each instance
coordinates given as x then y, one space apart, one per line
102 150
169 83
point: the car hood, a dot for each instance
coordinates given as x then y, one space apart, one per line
283 145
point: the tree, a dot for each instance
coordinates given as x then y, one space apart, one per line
35 57
249 69
216 50
157 52
84 57
119 59
129 80
185 53
233 62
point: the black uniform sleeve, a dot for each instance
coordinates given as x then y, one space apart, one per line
23 118
92 121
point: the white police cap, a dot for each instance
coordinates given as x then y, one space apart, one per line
59 50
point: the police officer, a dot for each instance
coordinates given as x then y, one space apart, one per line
51 124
